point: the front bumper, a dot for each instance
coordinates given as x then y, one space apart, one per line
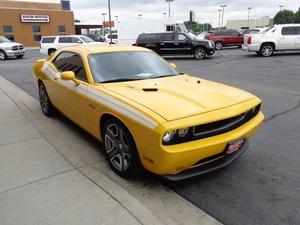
12 53
209 166
210 51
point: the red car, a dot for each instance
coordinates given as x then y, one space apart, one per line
223 38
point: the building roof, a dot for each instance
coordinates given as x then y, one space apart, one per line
29 5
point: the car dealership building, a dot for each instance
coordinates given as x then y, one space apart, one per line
27 22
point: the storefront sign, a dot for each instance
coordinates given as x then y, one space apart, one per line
35 18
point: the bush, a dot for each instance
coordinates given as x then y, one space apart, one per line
297 17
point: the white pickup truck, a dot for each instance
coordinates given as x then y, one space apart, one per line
285 37
10 49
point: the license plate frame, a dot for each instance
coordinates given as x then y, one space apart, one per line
235 146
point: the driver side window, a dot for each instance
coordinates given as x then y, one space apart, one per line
69 61
181 37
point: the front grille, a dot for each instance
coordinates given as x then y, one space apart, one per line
216 128
17 47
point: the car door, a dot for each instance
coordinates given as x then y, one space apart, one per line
166 45
71 97
183 44
236 38
287 38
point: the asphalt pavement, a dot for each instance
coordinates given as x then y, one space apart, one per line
263 186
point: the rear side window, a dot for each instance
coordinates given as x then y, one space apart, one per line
65 40
234 33
147 38
167 37
290 30
48 39
69 61
222 33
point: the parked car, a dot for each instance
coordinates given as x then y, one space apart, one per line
276 38
223 38
147 114
97 37
176 43
10 49
50 44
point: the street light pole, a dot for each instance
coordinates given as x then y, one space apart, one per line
281 7
109 15
103 14
223 12
249 11
169 1
219 10
140 16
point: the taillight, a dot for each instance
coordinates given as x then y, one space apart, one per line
249 40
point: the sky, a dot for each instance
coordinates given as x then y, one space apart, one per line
206 11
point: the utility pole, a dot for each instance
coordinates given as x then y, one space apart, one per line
249 11
109 15
219 10
223 12
103 14
169 1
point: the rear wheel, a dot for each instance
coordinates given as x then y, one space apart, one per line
3 55
218 45
266 50
199 53
120 149
46 105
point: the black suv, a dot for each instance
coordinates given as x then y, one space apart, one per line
176 43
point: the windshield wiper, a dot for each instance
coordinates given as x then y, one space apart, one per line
168 75
121 80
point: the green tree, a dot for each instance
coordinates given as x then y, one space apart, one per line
297 17
285 16
197 27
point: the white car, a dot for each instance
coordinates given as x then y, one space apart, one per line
50 44
10 49
275 38
202 35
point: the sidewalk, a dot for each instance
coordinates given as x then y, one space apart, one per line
52 172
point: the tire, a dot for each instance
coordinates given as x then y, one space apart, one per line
200 53
3 55
47 107
120 149
219 45
266 50
51 50
20 56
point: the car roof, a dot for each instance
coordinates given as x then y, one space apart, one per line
92 48
63 36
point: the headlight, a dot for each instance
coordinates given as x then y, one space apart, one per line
183 132
211 44
168 137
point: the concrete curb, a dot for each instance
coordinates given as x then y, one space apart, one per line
147 200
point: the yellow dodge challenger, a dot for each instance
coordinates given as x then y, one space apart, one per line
146 113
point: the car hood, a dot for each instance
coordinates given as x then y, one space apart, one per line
9 44
180 96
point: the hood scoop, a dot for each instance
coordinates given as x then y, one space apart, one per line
150 89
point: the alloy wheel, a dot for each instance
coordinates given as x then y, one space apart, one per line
117 147
267 50
219 46
200 53
43 99
2 55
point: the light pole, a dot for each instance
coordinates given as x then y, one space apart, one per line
165 15
169 1
219 10
116 17
281 7
103 14
109 15
249 11
140 16
223 12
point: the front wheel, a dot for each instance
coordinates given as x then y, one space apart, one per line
120 149
266 50
46 105
3 55
199 53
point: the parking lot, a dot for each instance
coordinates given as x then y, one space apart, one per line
262 187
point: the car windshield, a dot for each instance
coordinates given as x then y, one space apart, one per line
87 39
128 65
4 40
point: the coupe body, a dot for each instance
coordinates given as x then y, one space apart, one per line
146 113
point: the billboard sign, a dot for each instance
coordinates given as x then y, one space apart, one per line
35 18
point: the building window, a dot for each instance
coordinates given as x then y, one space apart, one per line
61 29
10 37
37 37
7 29
36 29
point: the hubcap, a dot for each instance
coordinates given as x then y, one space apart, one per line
2 56
117 147
267 50
199 54
219 46
43 99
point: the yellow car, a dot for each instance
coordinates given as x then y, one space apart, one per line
146 113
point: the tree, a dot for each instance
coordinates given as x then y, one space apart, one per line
297 17
285 16
198 27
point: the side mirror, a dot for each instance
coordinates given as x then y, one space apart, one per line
173 65
69 75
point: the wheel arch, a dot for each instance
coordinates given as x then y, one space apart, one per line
268 42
